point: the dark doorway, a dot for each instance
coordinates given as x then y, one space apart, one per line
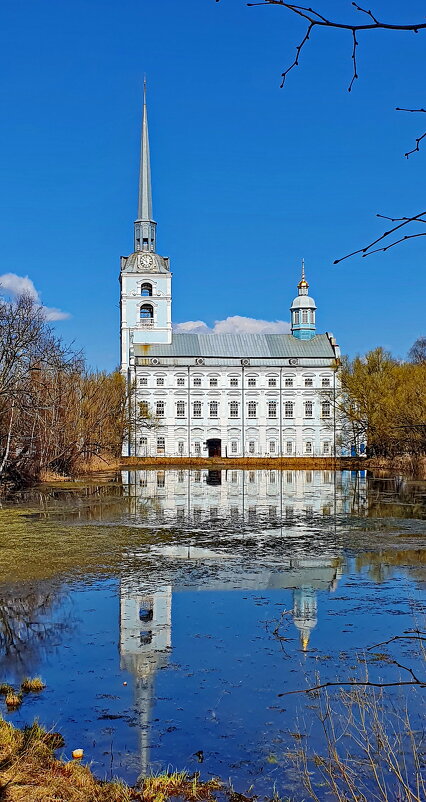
215 448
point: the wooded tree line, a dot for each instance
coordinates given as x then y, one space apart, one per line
383 402
54 412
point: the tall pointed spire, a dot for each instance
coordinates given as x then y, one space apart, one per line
145 225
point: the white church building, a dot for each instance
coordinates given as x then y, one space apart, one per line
229 395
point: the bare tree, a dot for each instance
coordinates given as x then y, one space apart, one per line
360 25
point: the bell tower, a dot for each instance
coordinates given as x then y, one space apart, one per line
145 278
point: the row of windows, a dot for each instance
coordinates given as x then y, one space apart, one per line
289 447
234 409
235 477
233 381
306 316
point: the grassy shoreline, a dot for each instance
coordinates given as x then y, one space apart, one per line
30 772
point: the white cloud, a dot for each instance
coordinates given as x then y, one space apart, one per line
234 325
14 285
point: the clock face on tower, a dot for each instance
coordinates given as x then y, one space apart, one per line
146 261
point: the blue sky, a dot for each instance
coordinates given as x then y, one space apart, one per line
248 177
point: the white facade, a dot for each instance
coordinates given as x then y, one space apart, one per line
261 410
192 395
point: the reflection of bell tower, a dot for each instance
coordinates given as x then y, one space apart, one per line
305 613
145 638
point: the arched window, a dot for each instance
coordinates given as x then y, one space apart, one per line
147 312
252 409
272 409
296 317
326 409
288 409
146 290
309 409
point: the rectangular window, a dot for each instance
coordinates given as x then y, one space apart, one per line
213 408
272 477
251 447
181 446
309 409
326 409
288 381
234 477
326 448
197 381
308 477
197 474
213 381
252 477
304 317
234 447
181 475
288 409
233 382
325 382
160 381
143 381
197 449
197 409
161 479
251 408
160 409
289 477
272 447
308 447
309 382
143 409
180 409
161 445
289 447
272 409
251 382
180 381
143 442
272 382
233 409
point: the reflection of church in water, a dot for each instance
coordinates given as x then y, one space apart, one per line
236 495
146 616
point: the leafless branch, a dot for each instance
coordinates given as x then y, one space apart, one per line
316 19
369 249
417 635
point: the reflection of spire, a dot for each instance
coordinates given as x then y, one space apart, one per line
305 613
145 638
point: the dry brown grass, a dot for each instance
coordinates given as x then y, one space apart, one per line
29 772
34 685
216 463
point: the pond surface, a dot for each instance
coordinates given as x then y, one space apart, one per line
168 610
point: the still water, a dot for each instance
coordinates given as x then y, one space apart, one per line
168 610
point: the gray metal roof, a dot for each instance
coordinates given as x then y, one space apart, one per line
225 346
